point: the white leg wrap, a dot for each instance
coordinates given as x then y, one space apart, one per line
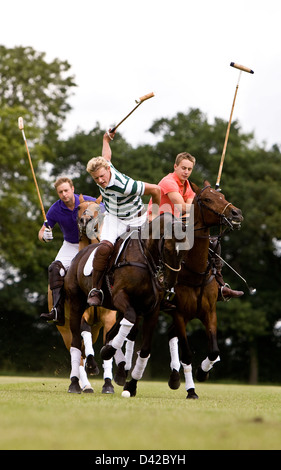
83 377
88 343
207 365
124 330
75 361
187 369
174 353
140 366
129 351
107 369
119 357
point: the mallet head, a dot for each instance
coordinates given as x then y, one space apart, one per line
145 97
20 122
241 67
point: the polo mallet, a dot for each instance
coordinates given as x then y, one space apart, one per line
242 68
21 127
139 102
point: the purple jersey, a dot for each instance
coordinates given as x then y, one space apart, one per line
67 219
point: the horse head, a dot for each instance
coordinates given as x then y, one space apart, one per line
89 218
214 209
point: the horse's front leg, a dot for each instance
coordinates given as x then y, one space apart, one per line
210 323
122 303
149 324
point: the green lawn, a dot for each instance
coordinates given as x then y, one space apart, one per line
38 413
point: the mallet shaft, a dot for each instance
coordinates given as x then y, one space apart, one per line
242 68
141 100
21 127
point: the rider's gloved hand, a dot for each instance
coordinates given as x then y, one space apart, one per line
47 235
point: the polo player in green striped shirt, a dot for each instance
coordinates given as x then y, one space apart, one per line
122 199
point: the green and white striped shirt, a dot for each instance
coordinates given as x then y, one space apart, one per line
121 197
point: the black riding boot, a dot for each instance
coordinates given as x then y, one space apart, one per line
56 282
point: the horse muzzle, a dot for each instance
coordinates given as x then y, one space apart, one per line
235 218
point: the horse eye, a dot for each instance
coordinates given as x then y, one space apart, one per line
207 200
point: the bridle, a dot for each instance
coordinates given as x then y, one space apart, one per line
91 218
223 220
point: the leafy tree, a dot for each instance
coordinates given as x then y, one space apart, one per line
38 91
42 88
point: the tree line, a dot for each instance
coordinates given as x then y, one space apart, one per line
37 90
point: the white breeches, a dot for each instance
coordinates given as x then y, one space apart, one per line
67 253
113 227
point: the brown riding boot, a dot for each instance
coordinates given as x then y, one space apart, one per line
227 293
102 255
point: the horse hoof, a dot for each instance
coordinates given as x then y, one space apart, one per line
107 387
191 394
87 389
107 352
91 366
200 375
174 380
131 387
121 374
74 387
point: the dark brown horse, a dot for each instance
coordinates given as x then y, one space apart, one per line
143 267
197 289
89 220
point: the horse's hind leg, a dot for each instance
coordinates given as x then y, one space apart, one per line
143 355
174 379
91 366
186 356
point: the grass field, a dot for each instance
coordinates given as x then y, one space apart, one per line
38 414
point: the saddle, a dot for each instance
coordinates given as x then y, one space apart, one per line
120 246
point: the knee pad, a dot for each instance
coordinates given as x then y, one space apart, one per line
56 274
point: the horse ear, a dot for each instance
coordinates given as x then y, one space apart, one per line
206 183
81 198
99 199
194 188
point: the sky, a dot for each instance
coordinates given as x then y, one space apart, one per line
178 49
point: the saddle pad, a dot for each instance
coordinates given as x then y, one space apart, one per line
88 268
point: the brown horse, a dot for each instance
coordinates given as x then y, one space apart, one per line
197 289
146 262
89 221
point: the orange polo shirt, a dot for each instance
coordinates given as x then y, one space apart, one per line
171 183
168 184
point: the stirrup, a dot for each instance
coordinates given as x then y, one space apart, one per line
225 299
53 317
97 291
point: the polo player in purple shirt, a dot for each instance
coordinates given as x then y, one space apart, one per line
64 213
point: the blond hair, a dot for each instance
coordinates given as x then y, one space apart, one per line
185 156
96 163
61 180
